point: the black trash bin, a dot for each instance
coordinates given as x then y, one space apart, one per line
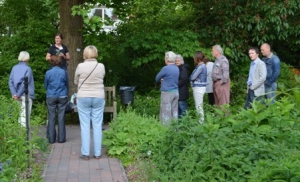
127 95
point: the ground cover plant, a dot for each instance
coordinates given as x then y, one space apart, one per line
259 144
132 134
20 160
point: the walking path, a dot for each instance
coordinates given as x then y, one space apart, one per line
64 163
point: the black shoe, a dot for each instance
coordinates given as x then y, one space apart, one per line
97 157
85 157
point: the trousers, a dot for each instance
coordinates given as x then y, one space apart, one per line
221 92
56 106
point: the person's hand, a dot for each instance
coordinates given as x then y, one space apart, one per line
161 80
267 84
62 55
16 97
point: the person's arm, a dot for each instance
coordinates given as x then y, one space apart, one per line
67 80
31 83
48 57
276 69
183 77
21 89
76 76
225 71
160 75
67 56
262 71
45 81
11 84
196 73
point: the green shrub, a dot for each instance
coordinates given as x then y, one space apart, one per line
15 151
147 104
132 134
260 144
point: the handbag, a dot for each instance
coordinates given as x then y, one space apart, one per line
69 108
74 96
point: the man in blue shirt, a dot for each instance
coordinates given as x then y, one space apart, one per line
273 69
168 76
17 86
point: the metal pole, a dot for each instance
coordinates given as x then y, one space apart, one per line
27 117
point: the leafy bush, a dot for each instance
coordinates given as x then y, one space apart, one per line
131 134
15 151
286 78
260 144
147 104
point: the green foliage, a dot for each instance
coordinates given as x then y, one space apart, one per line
14 147
260 144
287 79
152 46
130 135
257 22
39 113
147 104
26 25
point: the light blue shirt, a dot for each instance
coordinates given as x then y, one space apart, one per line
252 68
170 76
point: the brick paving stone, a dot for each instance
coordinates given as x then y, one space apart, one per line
64 163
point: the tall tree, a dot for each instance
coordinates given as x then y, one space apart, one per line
71 27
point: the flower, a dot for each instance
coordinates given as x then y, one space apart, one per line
149 152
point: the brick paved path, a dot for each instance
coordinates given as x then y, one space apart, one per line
64 163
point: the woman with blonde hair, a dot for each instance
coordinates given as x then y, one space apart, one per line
89 77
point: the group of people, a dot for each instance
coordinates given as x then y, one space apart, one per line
90 100
213 79
207 77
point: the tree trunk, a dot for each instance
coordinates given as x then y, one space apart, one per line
71 28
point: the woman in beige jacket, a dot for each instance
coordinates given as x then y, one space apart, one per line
89 77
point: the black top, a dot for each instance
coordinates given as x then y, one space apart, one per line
53 50
183 82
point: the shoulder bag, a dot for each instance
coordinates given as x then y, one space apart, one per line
75 98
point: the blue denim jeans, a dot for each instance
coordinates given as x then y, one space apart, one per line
90 110
270 92
182 107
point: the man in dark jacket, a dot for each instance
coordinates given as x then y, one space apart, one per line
183 84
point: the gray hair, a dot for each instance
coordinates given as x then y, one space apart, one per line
219 49
171 56
24 56
178 56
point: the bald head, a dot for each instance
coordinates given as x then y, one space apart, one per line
265 49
